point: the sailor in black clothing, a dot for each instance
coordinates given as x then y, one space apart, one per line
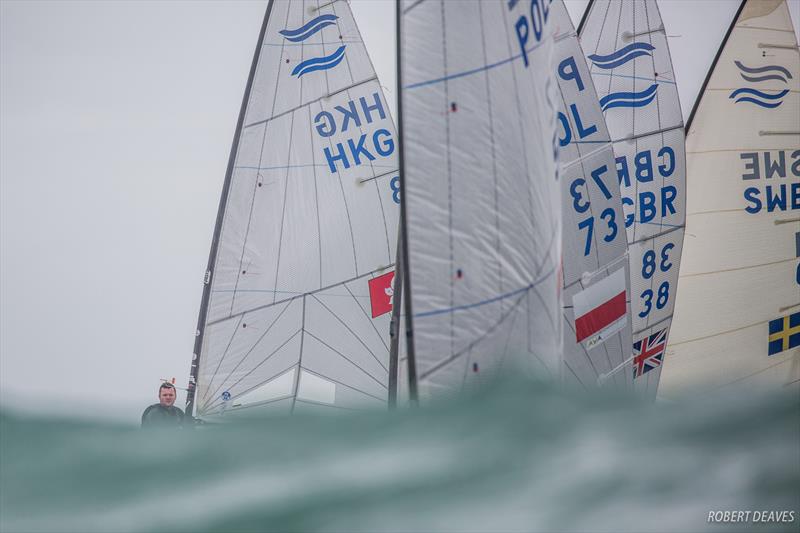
164 413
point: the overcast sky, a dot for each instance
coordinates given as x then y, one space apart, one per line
116 120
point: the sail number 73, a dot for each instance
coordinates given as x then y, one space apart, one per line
578 190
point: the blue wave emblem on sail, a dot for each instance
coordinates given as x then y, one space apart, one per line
629 99
309 28
319 63
754 96
758 75
770 72
622 56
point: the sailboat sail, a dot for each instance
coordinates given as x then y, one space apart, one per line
597 332
737 321
626 46
298 287
477 116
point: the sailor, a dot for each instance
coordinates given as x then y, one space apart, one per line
164 413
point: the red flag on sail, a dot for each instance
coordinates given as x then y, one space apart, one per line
381 290
600 309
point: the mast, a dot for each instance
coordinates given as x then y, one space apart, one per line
403 260
212 256
714 65
394 326
585 16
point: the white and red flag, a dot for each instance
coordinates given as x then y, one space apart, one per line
381 291
600 309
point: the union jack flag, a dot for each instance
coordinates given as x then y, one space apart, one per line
648 353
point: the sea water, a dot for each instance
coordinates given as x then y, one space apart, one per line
517 456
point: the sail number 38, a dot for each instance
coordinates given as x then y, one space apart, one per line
649 266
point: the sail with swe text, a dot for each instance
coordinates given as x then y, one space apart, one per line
626 45
298 288
597 332
477 120
737 320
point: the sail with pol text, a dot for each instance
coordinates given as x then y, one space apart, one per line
626 46
477 121
737 319
597 327
295 305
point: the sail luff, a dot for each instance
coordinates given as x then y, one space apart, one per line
714 64
212 256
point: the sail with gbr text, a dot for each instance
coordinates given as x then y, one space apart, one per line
737 320
626 45
299 283
597 327
477 120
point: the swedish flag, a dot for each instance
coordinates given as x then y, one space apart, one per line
784 333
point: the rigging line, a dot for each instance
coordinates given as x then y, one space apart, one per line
352 332
584 16
311 102
748 267
672 228
369 319
325 52
470 72
343 384
259 364
245 356
473 343
504 357
343 356
530 340
224 354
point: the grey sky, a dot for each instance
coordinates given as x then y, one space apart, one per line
116 120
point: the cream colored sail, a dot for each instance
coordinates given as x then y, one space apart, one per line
737 318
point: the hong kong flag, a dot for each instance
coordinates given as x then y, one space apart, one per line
381 291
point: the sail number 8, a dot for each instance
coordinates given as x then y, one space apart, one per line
581 205
649 266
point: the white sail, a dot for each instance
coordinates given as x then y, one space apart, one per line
737 320
478 127
626 45
307 227
597 327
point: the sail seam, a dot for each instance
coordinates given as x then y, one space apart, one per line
371 322
376 380
245 356
364 344
365 393
748 267
300 295
310 102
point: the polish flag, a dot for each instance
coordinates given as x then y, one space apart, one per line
600 309
381 291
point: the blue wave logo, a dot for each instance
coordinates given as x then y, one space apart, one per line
759 98
319 63
629 99
309 28
758 75
622 56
